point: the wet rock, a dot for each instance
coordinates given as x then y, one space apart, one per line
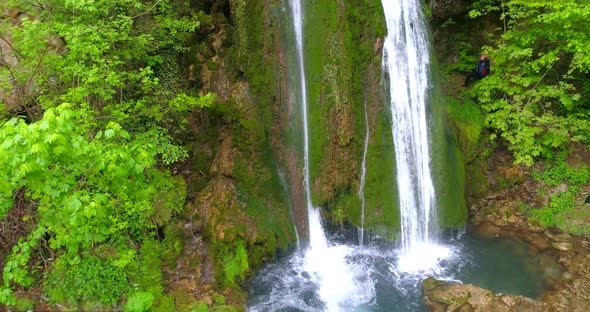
221 210
558 300
224 159
452 295
207 300
431 283
539 241
444 8
562 237
563 246
531 227
500 222
441 296
567 276
508 300
513 219
488 230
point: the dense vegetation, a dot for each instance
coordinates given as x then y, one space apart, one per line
537 99
535 104
97 91
94 116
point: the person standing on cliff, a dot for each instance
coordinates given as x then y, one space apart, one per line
481 70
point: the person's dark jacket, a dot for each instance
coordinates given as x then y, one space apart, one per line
483 68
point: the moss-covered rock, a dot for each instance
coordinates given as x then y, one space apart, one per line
441 296
239 202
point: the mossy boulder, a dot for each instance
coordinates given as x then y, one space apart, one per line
442 296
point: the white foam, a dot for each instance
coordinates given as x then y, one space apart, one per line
423 258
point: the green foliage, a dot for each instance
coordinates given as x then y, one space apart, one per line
232 259
94 80
554 215
86 279
535 98
139 302
165 304
464 50
200 307
557 171
172 244
563 211
468 120
92 192
235 263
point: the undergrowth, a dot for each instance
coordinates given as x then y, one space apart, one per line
565 210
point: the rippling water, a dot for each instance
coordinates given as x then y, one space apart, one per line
381 278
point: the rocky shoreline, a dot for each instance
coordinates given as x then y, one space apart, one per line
497 216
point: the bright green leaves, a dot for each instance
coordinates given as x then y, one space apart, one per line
183 102
138 302
533 100
234 258
90 166
86 279
563 210
89 191
95 52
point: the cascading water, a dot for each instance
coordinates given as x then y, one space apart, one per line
361 191
327 264
327 276
406 62
317 237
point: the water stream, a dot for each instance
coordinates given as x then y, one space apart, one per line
333 273
406 63
325 264
502 265
361 191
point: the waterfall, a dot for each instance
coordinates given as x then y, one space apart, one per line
406 62
317 238
326 263
361 191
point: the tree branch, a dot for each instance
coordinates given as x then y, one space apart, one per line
146 12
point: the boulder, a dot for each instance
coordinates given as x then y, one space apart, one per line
563 246
442 296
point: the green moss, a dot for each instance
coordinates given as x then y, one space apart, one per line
450 183
169 199
146 271
172 244
564 211
476 181
431 283
225 308
381 193
253 59
199 307
467 120
165 304
448 163
320 34
184 301
338 50
23 304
